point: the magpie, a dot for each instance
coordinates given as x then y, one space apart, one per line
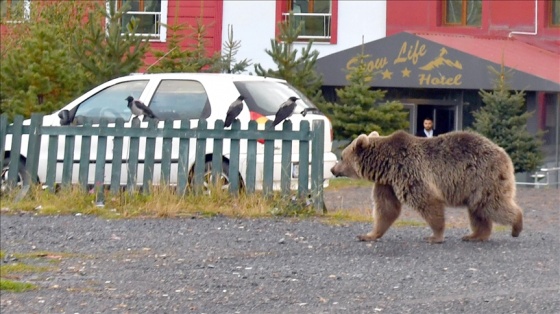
138 108
234 110
285 111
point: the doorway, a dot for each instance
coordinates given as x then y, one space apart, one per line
443 117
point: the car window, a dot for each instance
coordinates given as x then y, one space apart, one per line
180 99
110 103
266 97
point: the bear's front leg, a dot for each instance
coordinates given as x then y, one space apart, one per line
387 210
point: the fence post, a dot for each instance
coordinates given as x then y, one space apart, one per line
149 157
317 161
251 174
132 161
303 175
3 134
34 146
286 162
116 166
268 162
234 152
17 133
83 172
166 148
183 162
200 157
100 165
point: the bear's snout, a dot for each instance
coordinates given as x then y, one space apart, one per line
334 171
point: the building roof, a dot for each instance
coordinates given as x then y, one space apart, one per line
516 54
429 60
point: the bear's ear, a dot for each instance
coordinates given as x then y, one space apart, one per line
374 134
361 142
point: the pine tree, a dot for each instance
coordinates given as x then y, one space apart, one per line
192 58
503 119
38 71
230 49
299 71
106 52
360 109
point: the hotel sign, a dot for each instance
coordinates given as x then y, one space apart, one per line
409 61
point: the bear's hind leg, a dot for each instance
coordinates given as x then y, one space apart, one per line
387 210
481 227
433 211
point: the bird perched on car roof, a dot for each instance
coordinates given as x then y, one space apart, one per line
285 111
138 108
234 110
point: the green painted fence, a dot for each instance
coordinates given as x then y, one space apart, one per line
311 141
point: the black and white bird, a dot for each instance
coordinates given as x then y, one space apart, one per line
234 110
138 108
285 111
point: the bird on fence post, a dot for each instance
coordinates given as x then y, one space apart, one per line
285 111
138 108
233 111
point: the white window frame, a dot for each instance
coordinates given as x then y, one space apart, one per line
26 12
327 18
162 34
299 16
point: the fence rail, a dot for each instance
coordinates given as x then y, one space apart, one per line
544 177
56 149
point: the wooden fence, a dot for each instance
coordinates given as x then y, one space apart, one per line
311 142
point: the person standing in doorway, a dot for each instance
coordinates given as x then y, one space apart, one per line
428 130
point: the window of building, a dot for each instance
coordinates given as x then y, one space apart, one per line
14 10
150 15
554 13
462 12
319 18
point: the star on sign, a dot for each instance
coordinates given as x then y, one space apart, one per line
405 72
387 74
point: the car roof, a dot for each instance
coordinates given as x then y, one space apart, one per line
225 76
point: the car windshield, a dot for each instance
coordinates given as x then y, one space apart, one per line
266 97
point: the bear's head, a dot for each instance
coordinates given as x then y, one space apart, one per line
350 164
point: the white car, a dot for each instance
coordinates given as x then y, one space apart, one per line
179 96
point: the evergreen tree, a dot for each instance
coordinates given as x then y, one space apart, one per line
362 110
503 119
38 71
60 52
109 52
193 58
230 49
299 71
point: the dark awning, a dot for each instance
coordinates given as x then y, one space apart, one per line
446 61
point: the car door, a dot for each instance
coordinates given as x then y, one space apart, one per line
175 99
108 103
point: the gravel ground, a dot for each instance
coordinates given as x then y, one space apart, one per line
224 265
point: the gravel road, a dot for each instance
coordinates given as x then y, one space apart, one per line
225 265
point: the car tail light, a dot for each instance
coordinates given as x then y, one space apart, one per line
260 120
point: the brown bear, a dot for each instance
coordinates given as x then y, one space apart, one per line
455 169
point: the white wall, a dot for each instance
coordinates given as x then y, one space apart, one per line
254 23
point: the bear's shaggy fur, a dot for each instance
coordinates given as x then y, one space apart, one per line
427 174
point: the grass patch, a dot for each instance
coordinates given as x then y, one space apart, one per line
341 183
23 264
162 201
15 286
21 268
